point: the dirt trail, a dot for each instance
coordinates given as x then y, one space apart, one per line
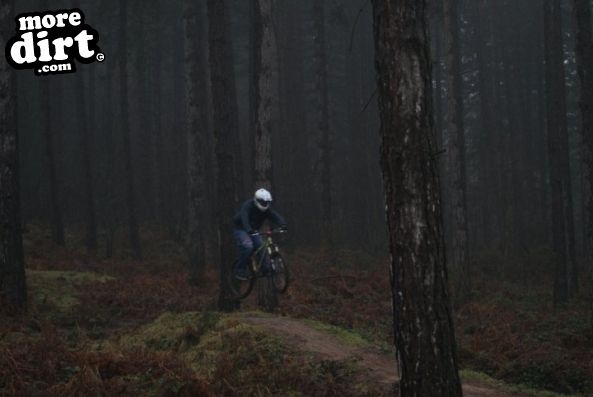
380 366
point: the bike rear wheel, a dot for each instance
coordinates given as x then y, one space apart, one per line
241 288
280 274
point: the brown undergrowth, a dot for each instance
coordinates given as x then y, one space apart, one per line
121 327
508 330
112 327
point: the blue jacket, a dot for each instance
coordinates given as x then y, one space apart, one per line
250 218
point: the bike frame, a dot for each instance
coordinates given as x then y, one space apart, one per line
258 257
279 274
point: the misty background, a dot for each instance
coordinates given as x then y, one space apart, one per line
507 181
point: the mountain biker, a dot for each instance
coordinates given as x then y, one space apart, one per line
253 213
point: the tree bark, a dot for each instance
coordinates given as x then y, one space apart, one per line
127 149
324 163
197 129
13 287
224 103
110 207
438 72
266 88
423 323
456 150
584 55
265 70
57 223
85 126
158 165
557 148
486 176
292 98
252 87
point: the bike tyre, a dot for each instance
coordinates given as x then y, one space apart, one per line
280 275
241 289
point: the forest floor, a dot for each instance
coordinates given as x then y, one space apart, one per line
378 366
120 327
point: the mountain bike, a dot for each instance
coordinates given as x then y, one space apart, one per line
278 271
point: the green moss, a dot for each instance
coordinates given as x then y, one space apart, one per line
232 338
19 338
240 358
57 290
170 331
346 336
469 375
237 358
248 360
69 276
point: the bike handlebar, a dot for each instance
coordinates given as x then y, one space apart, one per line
271 232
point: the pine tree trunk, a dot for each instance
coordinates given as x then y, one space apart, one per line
516 132
456 150
324 165
127 149
291 40
252 81
85 126
197 124
557 147
158 164
110 209
487 181
265 69
224 103
498 148
542 155
13 287
423 323
57 224
511 183
266 86
438 78
359 231
584 54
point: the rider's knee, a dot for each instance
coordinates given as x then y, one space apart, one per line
247 246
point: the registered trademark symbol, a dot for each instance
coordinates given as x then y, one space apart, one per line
100 57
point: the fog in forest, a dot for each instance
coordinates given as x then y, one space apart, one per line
134 168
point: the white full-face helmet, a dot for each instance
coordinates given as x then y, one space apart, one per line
262 199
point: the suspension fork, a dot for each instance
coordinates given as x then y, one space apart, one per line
259 255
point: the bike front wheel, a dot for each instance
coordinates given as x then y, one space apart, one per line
240 288
280 274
